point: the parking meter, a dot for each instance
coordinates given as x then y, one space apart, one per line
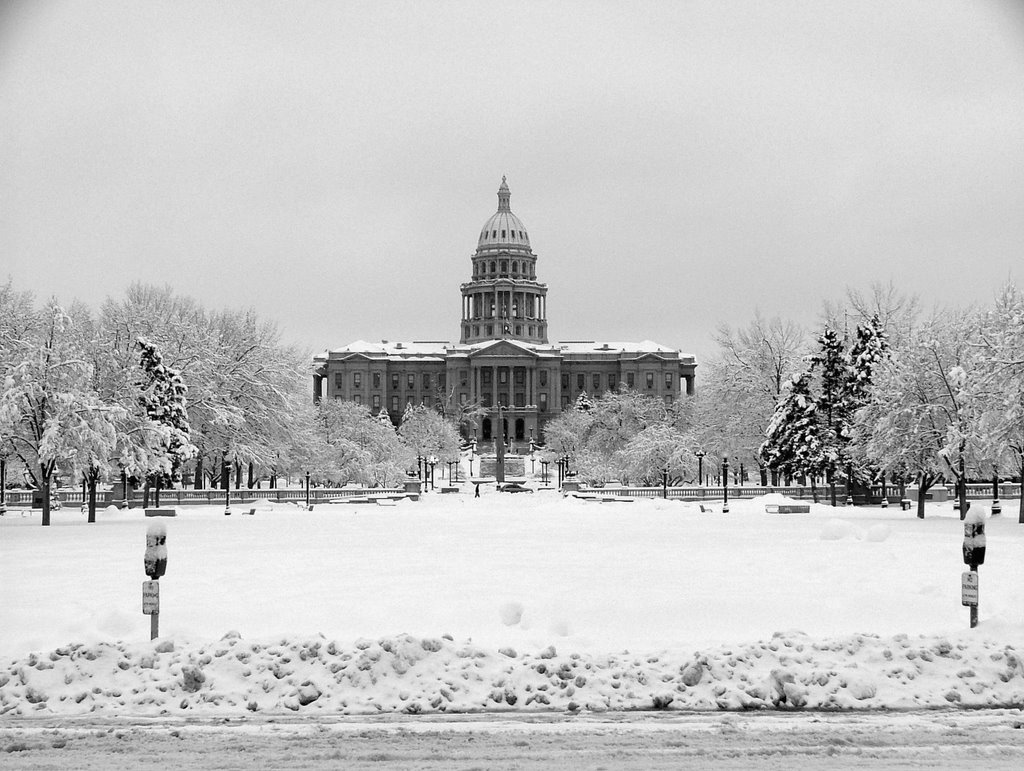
974 538
155 559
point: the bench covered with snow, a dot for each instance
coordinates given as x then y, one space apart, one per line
788 508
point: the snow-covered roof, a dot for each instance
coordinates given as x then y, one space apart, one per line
602 346
419 348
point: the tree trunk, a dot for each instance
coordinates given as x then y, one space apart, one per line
764 476
814 490
962 486
924 485
197 481
225 474
251 474
92 479
145 491
238 475
273 480
1020 515
44 486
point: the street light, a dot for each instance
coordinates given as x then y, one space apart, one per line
432 463
725 484
849 484
700 467
307 490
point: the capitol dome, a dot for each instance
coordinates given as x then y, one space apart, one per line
504 229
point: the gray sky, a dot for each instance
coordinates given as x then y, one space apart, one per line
677 164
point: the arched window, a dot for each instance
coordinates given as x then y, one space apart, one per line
515 268
492 266
504 266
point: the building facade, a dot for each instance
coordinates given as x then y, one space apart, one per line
503 362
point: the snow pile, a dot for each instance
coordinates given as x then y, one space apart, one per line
420 675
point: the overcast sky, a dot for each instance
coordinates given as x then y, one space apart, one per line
677 164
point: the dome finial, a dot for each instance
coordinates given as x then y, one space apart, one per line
503 196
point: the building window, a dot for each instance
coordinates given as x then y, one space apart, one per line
531 332
442 380
357 379
394 404
492 266
630 380
581 382
668 399
357 398
486 374
668 381
504 266
611 382
426 381
519 329
410 381
597 384
376 380
503 375
476 330
503 398
463 397
463 377
408 401
565 381
565 402
394 382
520 399
503 234
520 376
543 401
376 401
487 330
485 400
542 378
515 265
650 380
339 381
426 401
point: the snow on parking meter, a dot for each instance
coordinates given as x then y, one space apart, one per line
155 560
974 537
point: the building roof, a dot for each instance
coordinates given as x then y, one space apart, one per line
437 350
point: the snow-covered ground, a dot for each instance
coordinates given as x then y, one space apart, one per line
508 602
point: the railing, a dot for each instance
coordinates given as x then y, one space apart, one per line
189 497
711 493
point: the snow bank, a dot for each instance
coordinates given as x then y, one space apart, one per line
405 674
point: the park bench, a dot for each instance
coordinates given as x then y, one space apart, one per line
788 508
449 489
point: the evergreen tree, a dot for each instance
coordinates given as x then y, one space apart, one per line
583 403
796 442
869 349
163 399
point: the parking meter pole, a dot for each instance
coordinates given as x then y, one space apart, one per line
974 549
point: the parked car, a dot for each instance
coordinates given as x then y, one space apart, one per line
513 487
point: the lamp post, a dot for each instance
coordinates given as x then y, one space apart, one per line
3 485
432 462
499 442
849 484
725 484
700 467
544 471
307 489
996 506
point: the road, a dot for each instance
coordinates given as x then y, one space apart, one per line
908 740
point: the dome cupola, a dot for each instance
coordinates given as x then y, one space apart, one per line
504 230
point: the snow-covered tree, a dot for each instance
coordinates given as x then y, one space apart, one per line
163 399
583 403
999 388
742 384
921 416
426 433
657 448
797 441
46 393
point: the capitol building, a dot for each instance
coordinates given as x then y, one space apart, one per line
503 357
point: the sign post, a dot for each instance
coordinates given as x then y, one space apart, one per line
974 555
155 564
